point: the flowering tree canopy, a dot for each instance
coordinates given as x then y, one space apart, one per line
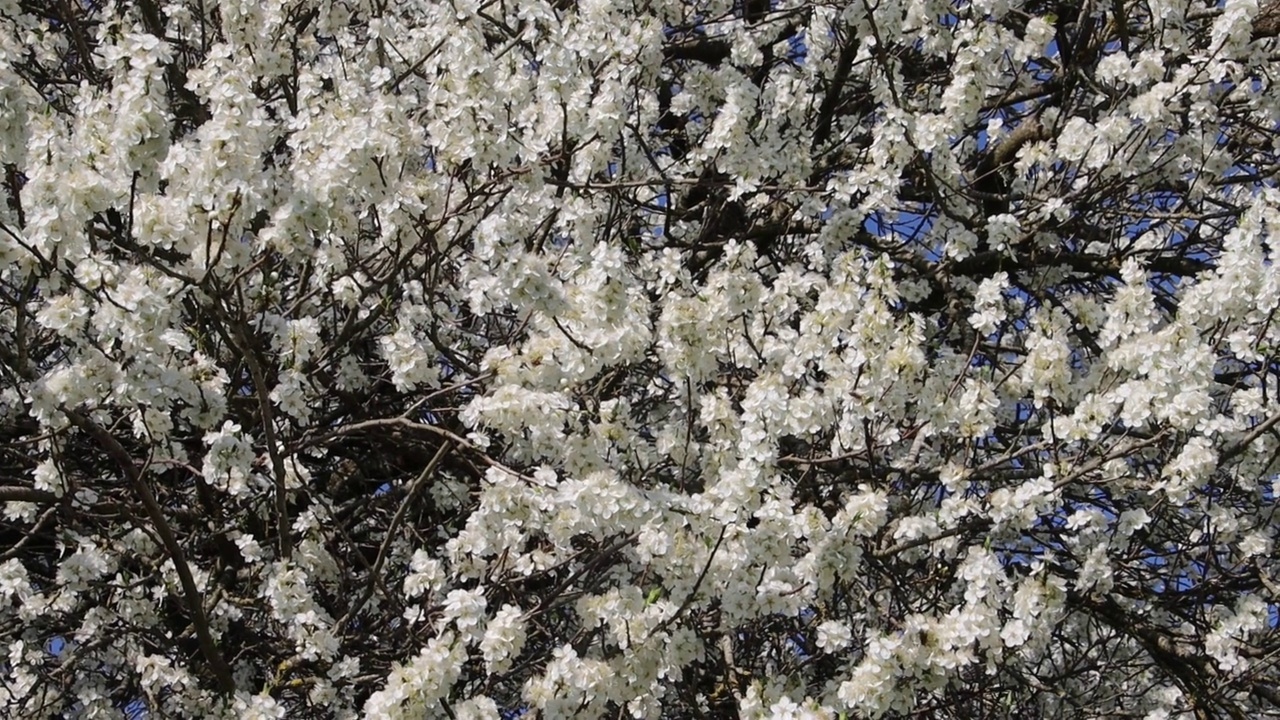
644 358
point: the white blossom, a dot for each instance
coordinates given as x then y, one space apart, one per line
798 360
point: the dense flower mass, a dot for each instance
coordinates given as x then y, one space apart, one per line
655 359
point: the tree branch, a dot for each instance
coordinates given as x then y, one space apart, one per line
191 593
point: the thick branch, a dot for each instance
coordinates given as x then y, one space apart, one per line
191 593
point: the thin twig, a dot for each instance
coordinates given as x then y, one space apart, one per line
396 520
688 600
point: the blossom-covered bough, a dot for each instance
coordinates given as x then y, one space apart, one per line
644 358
